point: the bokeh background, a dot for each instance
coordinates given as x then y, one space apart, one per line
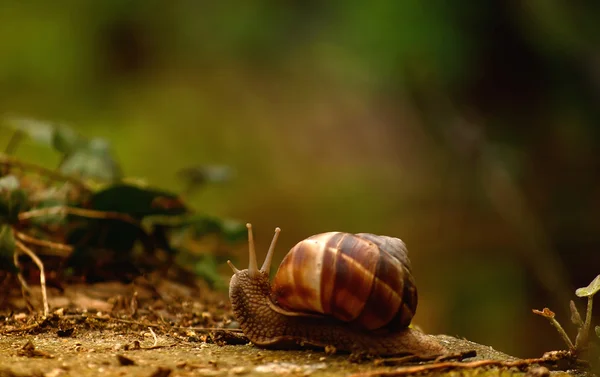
469 129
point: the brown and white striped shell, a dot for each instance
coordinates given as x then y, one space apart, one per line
363 279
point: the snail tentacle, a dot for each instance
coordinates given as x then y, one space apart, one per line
266 267
235 270
252 265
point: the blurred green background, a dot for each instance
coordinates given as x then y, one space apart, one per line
469 129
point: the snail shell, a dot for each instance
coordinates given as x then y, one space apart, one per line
363 279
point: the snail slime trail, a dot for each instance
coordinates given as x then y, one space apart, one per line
351 291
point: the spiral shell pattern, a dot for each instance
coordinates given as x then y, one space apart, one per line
363 279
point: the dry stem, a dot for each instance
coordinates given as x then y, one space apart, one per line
25 290
13 162
21 247
549 315
404 371
89 213
44 243
154 336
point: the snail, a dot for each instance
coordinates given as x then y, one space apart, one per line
354 292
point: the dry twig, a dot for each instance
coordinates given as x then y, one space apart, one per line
54 175
405 371
22 248
44 243
20 329
154 336
89 213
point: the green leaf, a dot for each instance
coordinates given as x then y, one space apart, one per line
94 160
51 218
103 237
66 140
575 316
137 201
39 131
9 183
60 137
7 249
13 200
590 290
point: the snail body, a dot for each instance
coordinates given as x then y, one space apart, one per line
354 292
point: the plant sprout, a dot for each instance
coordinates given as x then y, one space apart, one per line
583 332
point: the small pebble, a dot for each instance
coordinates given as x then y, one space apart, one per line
124 360
60 312
56 372
161 372
233 325
238 370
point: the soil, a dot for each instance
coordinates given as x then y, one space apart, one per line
163 328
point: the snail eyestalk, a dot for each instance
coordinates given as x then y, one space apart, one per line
266 267
252 265
235 270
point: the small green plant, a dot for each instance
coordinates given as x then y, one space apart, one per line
583 333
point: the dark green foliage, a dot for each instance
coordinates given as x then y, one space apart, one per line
116 232
137 202
12 199
7 249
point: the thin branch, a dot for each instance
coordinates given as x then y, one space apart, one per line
404 371
21 247
56 176
94 214
25 290
44 243
89 213
26 328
